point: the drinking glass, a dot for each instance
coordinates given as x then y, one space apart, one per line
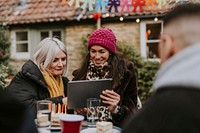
44 109
92 111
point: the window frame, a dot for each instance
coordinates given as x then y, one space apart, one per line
50 31
14 42
144 41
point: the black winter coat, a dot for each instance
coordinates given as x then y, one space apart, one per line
172 109
29 86
15 117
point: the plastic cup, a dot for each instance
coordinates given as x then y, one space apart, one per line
70 123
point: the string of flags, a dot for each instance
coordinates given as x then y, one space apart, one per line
102 6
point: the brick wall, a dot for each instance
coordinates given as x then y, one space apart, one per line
73 40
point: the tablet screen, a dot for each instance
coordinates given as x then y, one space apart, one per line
79 91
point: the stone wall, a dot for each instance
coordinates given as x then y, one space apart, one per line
73 40
16 64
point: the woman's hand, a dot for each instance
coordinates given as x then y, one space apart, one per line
112 99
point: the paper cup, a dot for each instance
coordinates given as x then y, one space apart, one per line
71 123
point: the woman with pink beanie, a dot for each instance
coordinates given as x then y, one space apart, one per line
103 62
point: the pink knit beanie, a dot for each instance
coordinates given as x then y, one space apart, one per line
103 37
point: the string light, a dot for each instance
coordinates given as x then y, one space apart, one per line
121 18
107 15
137 20
155 19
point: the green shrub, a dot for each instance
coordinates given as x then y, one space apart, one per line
5 69
146 69
3 74
146 76
4 45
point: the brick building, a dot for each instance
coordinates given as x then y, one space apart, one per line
30 21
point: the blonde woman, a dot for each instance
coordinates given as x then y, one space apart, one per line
43 76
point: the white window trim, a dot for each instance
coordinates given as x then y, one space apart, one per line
50 31
19 55
143 41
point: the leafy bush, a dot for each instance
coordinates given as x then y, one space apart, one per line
3 74
146 69
145 79
5 69
5 45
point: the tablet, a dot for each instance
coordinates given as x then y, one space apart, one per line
79 91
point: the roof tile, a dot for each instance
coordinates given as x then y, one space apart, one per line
37 11
34 11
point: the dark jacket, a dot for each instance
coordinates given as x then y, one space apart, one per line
128 94
174 108
169 110
29 86
15 117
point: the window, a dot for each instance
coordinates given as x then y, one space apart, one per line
20 44
56 33
150 39
44 34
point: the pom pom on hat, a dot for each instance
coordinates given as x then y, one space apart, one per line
103 37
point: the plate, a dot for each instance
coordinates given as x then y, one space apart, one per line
93 130
55 127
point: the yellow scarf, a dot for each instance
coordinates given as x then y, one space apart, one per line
54 84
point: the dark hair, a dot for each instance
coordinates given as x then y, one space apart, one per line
117 69
182 10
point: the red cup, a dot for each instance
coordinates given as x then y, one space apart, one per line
71 123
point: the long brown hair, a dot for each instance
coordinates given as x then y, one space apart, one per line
117 69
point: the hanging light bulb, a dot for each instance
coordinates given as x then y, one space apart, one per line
121 18
155 19
107 15
137 20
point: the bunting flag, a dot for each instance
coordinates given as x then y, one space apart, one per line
125 5
115 4
150 3
90 4
77 3
138 3
64 1
101 5
161 3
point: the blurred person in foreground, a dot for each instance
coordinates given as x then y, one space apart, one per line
103 62
174 107
15 117
43 76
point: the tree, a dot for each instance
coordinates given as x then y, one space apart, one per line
5 69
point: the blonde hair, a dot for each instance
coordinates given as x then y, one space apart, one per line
46 51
